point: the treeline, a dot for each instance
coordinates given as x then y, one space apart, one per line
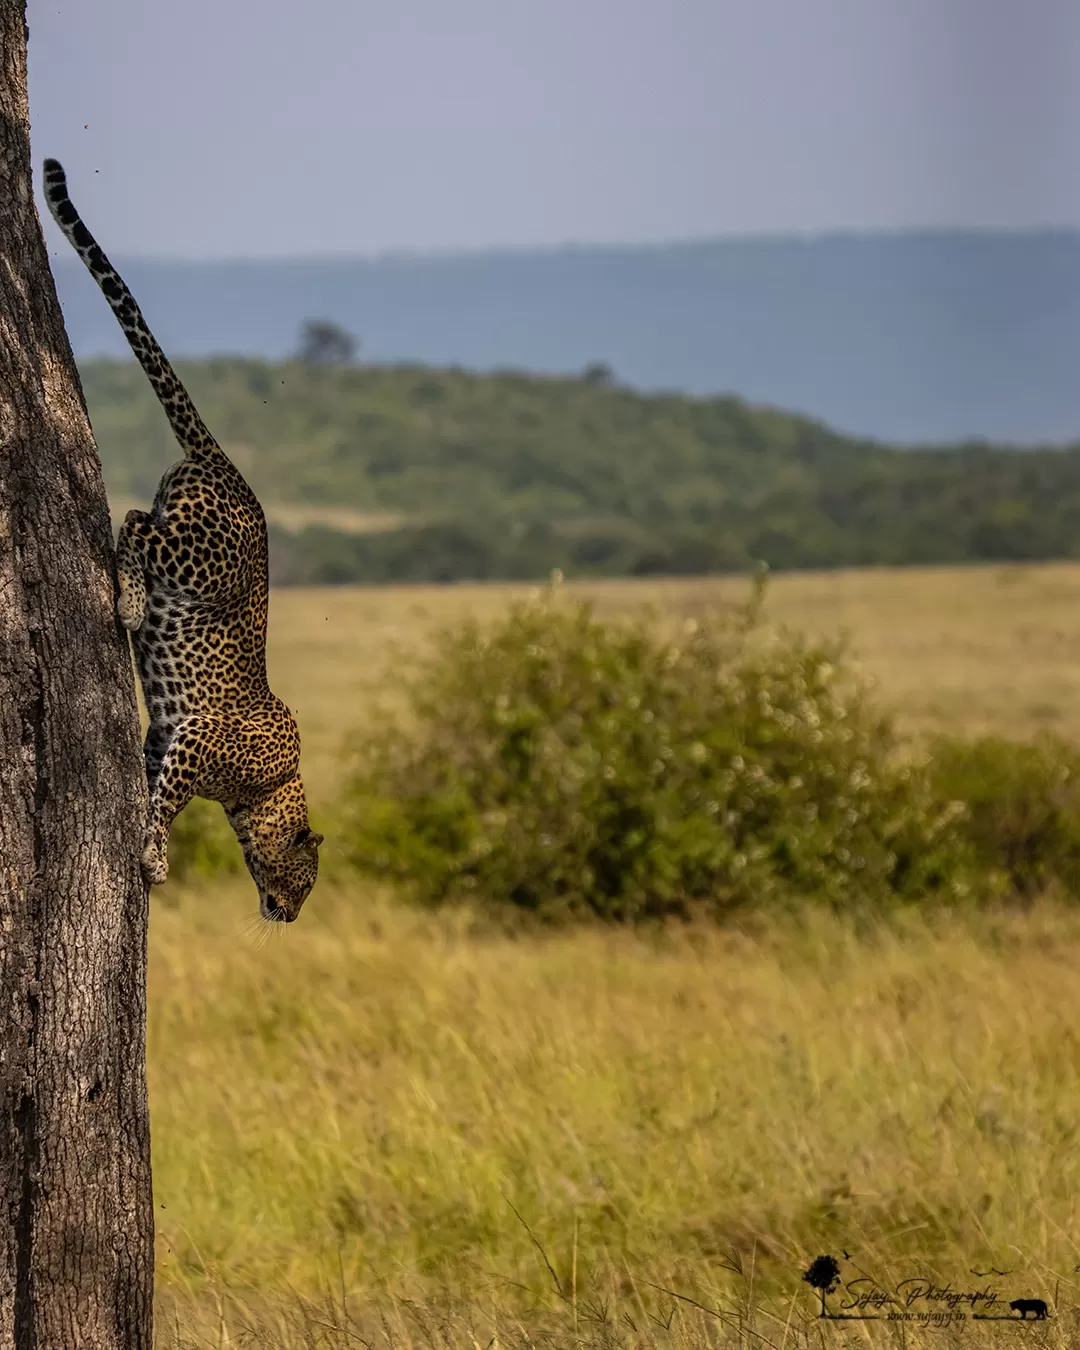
508 476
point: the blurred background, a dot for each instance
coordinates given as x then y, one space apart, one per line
860 210
610 235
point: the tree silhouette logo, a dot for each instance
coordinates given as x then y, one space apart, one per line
823 1275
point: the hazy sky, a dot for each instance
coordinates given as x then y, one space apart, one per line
211 128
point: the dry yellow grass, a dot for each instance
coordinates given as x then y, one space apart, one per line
367 1112
354 1122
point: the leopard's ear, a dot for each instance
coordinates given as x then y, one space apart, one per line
306 838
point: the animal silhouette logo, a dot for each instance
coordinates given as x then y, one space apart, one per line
1029 1305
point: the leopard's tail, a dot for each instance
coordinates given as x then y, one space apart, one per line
188 426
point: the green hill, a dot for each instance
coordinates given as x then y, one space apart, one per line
411 473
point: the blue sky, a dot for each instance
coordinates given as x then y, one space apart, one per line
226 128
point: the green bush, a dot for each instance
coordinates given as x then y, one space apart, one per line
1023 809
565 764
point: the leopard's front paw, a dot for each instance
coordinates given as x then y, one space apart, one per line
155 865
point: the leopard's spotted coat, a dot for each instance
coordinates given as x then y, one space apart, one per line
193 592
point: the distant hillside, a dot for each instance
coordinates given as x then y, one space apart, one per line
921 337
409 473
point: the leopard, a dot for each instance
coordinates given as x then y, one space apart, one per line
193 591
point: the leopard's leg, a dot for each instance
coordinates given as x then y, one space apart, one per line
154 748
186 759
168 552
131 569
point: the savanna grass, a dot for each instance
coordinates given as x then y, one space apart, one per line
397 1116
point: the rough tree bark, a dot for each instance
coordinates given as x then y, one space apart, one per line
76 1216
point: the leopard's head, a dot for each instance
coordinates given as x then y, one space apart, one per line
280 849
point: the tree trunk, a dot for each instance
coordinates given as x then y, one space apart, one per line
76 1216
